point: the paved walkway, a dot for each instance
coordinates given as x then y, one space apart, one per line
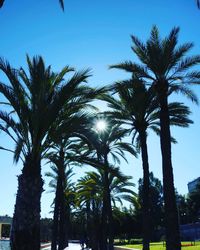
72 246
75 246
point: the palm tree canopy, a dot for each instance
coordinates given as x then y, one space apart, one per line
162 60
54 175
109 141
37 95
138 109
108 144
90 187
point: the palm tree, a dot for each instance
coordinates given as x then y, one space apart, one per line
66 143
36 102
137 108
64 193
103 144
90 190
89 199
164 66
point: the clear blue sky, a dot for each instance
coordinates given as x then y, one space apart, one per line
95 34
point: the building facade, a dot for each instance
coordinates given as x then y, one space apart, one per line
193 184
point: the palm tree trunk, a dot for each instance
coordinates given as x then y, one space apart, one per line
62 235
171 214
95 237
55 229
25 231
63 220
145 191
110 224
104 227
109 208
64 210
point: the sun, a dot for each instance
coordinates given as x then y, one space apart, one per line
101 125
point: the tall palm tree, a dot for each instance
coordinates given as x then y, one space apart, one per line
66 143
64 193
137 108
165 67
90 189
37 99
102 145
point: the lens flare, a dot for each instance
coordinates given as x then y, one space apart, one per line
101 125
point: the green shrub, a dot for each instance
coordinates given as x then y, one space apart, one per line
135 241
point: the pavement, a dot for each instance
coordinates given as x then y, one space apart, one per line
74 246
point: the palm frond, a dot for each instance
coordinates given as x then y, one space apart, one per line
187 63
18 149
127 147
62 4
140 49
133 68
186 91
198 4
1 3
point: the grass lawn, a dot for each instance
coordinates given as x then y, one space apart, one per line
159 246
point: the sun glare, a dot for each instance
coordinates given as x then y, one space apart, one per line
101 125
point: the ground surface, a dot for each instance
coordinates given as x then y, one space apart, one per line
159 246
72 246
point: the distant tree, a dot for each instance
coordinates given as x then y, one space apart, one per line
183 209
125 224
156 205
